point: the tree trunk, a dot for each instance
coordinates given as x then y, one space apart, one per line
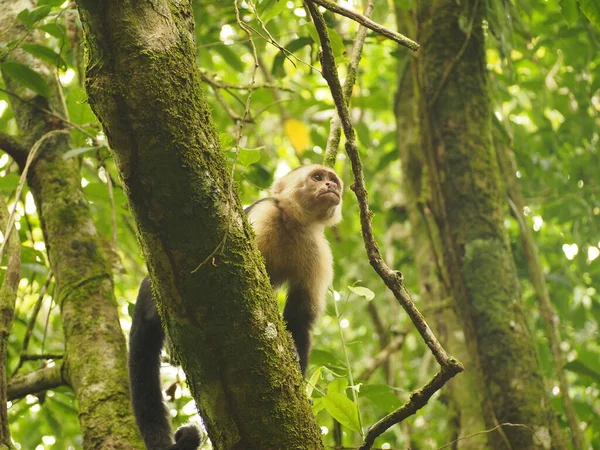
222 319
95 358
467 204
438 305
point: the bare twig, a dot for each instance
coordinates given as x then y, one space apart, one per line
335 132
42 356
506 424
371 25
395 344
393 279
218 84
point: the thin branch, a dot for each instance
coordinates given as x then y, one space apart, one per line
43 356
335 132
417 400
506 424
380 358
37 381
366 22
393 279
240 87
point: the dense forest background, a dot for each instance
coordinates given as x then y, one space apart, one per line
272 108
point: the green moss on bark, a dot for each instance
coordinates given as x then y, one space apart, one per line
468 203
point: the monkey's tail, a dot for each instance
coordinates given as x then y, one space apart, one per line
145 345
187 437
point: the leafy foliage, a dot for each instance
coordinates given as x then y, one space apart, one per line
545 82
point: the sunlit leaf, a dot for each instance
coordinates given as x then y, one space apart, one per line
298 134
312 382
363 292
248 156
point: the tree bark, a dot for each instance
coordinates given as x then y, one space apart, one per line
95 359
462 400
467 204
222 319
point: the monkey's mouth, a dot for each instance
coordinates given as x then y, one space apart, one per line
333 193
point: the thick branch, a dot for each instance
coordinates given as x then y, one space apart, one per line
34 382
14 147
366 22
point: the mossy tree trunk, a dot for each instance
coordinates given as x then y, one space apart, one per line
467 203
462 399
95 356
144 86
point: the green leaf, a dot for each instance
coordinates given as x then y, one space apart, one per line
32 16
226 140
569 11
363 292
342 409
582 369
8 183
45 54
54 3
317 405
293 46
339 386
249 156
54 29
312 382
26 76
78 151
591 9
270 9
381 395
230 57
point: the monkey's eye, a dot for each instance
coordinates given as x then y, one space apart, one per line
317 177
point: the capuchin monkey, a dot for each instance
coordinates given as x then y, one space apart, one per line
289 228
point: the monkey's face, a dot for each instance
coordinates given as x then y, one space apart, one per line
314 192
319 193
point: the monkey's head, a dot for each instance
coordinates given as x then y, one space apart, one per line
314 192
